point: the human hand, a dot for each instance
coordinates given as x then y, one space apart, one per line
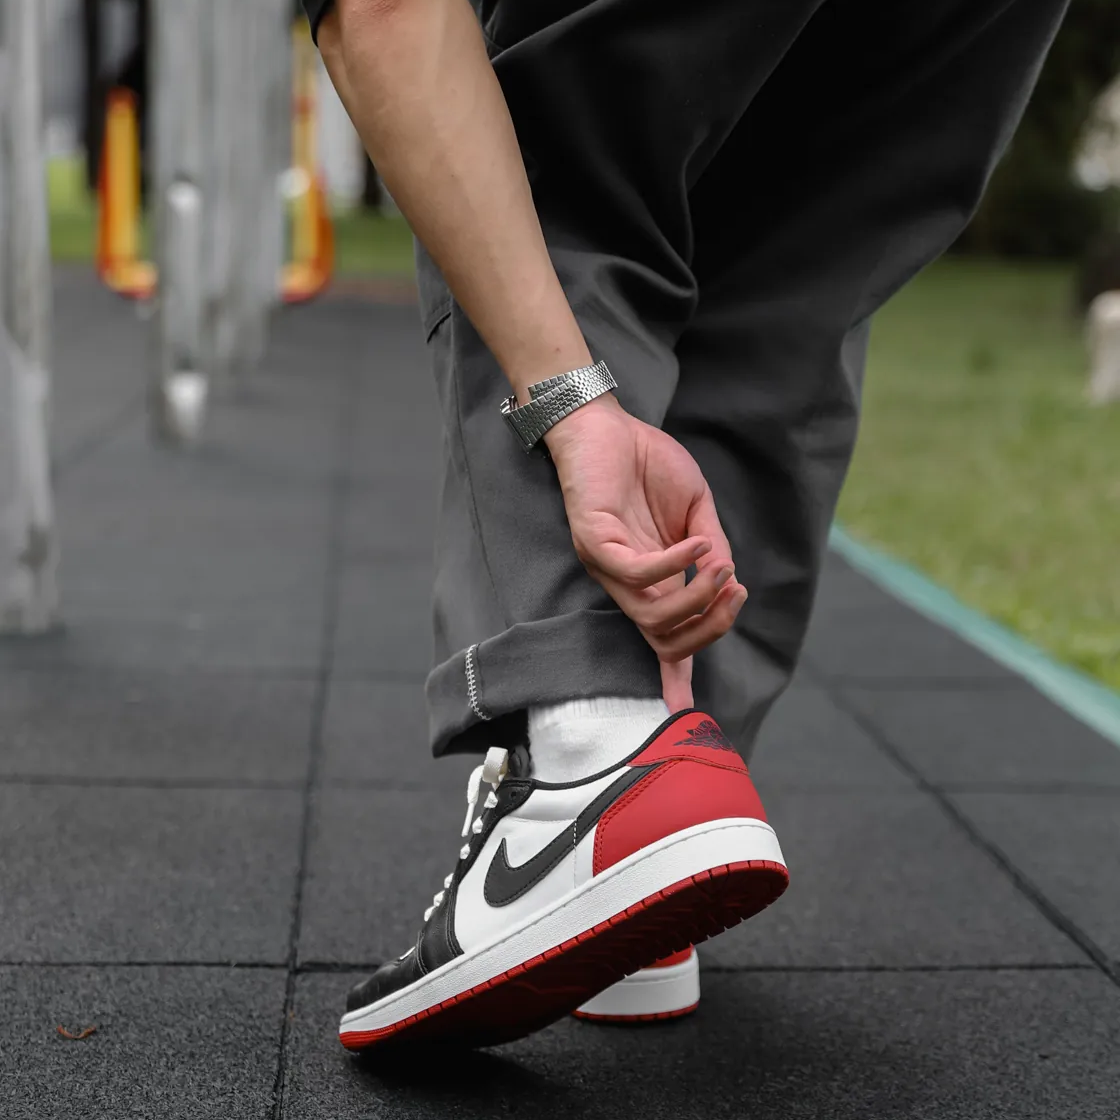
640 513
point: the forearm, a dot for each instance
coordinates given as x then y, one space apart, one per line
415 79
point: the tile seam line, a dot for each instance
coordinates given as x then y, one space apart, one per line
100 436
198 785
345 427
1089 702
1019 880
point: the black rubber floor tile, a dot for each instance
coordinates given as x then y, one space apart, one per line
988 735
397 412
358 330
392 522
807 742
384 620
137 579
285 424
170 1043
942 1046
154 726
887 640
105 874
885 879
241 458
1067 845
126 533
376 732
399 445
98 345
376 860
213 639
841 586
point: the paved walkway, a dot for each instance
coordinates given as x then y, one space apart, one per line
216 812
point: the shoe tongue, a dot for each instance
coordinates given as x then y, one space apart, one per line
519 762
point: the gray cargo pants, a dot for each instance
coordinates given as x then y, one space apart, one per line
730 189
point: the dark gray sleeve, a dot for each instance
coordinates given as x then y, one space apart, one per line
316 9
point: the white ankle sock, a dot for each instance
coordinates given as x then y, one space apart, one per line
578 738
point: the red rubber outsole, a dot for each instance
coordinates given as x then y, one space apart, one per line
651 1017
554 983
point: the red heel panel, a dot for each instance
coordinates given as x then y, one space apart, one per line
674 796
692 735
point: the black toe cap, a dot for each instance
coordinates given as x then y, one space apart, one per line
390 977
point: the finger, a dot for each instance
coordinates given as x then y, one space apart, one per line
700 632
676 684
661 613
703 521
643 569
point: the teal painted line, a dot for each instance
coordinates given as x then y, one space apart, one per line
1084 698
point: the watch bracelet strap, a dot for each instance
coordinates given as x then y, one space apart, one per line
555 398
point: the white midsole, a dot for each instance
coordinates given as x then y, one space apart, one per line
642 874
652 991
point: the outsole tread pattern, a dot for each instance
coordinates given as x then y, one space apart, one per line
649 1017
555 983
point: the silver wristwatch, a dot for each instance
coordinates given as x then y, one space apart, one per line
553 399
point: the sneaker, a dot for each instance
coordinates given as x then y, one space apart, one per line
668 989
561 890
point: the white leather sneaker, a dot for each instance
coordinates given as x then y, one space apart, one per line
668 989
561 890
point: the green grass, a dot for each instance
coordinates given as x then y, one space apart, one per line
366 244
981 463
73 214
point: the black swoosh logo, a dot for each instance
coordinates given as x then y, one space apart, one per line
504 884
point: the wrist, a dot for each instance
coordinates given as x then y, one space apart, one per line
541 368
566 433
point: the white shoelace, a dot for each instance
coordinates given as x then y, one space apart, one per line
492 771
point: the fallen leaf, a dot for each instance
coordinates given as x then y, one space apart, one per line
76 1037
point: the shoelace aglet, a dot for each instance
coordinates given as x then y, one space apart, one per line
492 770
473 784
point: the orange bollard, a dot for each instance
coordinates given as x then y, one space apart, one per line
309 271
118 260
118 195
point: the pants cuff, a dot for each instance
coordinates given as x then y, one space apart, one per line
480 697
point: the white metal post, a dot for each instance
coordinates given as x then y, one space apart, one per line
252 188
179 387
28 541
278 117
219 94
230 156
1104 348
260 114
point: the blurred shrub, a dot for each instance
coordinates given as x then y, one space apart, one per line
1034 207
